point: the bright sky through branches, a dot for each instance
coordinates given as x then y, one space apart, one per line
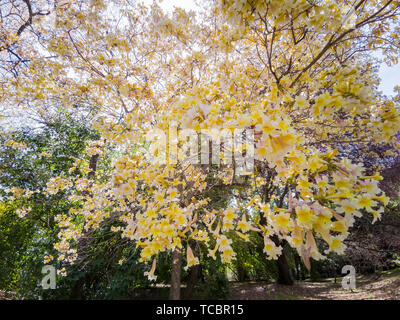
389 75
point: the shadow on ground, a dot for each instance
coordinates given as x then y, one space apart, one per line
385 286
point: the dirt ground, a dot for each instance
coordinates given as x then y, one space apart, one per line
385 286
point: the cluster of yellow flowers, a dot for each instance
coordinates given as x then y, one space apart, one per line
15 144
291 71
162 204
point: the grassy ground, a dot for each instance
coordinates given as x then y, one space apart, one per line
383 286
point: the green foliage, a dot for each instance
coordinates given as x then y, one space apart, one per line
102 277
25 241
213 282
251 262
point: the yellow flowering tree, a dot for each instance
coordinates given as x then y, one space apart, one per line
296 79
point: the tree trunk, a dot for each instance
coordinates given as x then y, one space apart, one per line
283 266
284 276
283 271
175 291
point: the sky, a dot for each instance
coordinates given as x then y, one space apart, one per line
390 76
170 4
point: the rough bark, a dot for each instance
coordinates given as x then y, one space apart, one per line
176 270
284 276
